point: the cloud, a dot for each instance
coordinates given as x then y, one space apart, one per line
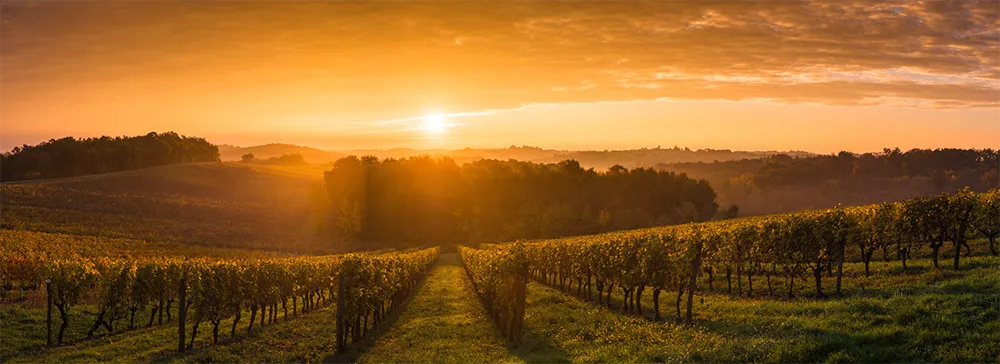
472 56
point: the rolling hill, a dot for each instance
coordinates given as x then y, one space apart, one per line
312 155
210 204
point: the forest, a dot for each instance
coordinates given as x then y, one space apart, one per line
425 200
782 183
70 157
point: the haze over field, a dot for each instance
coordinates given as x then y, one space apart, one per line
813 76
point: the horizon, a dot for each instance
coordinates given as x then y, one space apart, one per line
813 76
5 149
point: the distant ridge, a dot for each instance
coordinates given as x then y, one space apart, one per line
312 155
598 159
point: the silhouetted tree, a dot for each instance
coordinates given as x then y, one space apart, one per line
424 200
286 160
68 157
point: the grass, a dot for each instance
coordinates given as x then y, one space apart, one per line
310 339
24 338
307 338
926 316
923 315
443 324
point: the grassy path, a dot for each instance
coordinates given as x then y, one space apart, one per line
444 323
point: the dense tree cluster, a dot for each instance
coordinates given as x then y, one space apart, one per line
283 160
782 183
424 200
69 157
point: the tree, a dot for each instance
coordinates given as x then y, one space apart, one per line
877 229
928 220
961 206
836 228
987 216
247 158
424 200
68 157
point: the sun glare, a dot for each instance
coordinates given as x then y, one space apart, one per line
434 124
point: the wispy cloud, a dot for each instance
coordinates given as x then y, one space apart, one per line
370 57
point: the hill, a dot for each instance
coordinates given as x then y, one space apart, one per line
213 204
71 157
54 244
598 159
784 183
311 155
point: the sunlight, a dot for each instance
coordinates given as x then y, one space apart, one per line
434 124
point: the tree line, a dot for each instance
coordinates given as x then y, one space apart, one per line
283 160
782 183
425 200
70 157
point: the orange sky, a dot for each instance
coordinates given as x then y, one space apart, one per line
816 76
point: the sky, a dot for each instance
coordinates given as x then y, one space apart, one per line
773 75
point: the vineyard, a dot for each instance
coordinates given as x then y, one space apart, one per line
790 246
192 292
499 277
624 296
207 204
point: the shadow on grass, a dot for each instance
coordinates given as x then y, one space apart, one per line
914 317
533 348
804 343
537 349
355 350
25 332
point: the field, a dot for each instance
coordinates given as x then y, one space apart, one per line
211 204
925 315
162 217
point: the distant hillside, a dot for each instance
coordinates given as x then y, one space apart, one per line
598 159
274 150
212 204
601 160
781 183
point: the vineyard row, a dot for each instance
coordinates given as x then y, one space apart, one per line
365 287
791 245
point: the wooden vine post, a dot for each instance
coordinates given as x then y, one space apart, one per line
48 312
695 269
520 293
181 312
341 294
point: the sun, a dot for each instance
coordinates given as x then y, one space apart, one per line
434 124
